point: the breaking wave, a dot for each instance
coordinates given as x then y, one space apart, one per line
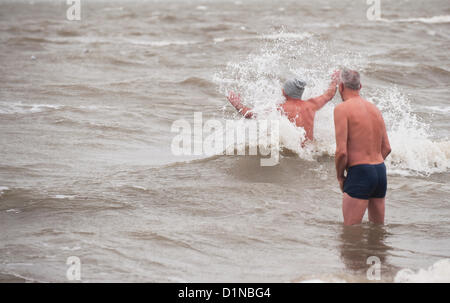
259 77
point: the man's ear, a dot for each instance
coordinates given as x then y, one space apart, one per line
341 87
360 86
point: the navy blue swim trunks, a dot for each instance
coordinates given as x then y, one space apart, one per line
366 181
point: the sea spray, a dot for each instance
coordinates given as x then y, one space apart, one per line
439 272
413 150
259 76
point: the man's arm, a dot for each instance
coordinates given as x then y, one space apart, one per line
236 102
320 101
385 145
341 129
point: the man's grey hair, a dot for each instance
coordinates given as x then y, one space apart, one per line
350 79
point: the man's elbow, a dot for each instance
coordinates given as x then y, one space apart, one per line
248 115
325 98
340 155
386 152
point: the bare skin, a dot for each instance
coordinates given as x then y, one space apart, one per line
299 112
361 138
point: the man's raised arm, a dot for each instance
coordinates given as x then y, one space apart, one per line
341 157
236 102
320 101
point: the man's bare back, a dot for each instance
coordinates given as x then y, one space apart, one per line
300 112
366 131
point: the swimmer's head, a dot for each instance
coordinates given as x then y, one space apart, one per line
349 81
294 88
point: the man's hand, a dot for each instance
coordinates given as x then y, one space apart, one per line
234 99
320 101
336 76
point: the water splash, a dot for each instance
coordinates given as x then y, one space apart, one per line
439 272
413 150
259 77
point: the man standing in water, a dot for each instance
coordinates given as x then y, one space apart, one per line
362 145
297 111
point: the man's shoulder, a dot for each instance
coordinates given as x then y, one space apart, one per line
340 108
372 106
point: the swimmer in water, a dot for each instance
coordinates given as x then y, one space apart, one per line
298 111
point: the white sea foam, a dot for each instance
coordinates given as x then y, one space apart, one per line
437 109
267 37
139 187
201 8
103 40
313 281
428 20
70 248
439 272
324 281
9 108
160 43
3 189
259 77
285 36
69 197
109 9
13 210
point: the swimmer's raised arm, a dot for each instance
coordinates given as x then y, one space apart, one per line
235 100
320 101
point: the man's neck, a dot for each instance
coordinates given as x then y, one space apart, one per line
289 99
350 95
